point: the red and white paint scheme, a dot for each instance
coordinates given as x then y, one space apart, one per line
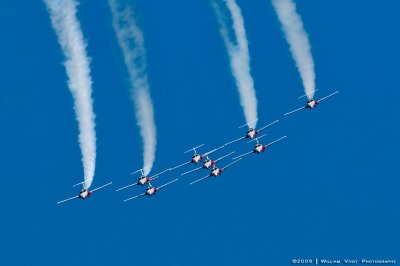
84 193
197 157
143 179
259 148
251 132
311 103
208 163
215 171
150 191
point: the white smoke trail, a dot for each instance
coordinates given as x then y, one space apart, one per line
70 37
297 38
239 58
131 41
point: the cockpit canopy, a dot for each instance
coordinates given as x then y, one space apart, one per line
195 155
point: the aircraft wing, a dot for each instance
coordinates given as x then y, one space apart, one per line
141 170
264 127
298 109
198 180
166 184
248 124
232 163
242 155
275 141
156 175
194 148
68 199
131 185
153 177
307 94
198 168
328 96
233 141
137 196
257 138
93 190
80 183
175 167
212 151
220 158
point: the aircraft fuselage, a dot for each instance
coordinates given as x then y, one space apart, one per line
208 163
258 148
311 104
216 172
143 180
151 191
251 133
196 158
84 193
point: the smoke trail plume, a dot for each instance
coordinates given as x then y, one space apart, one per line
297 38
70 37
238 52
130 39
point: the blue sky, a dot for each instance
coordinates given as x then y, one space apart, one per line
331 190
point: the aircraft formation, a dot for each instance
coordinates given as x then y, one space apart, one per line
204 159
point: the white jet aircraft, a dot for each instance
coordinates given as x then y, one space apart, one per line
208 163
259 148
84 193
311 103
215 172
143 179
150 191
251 132
196 157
